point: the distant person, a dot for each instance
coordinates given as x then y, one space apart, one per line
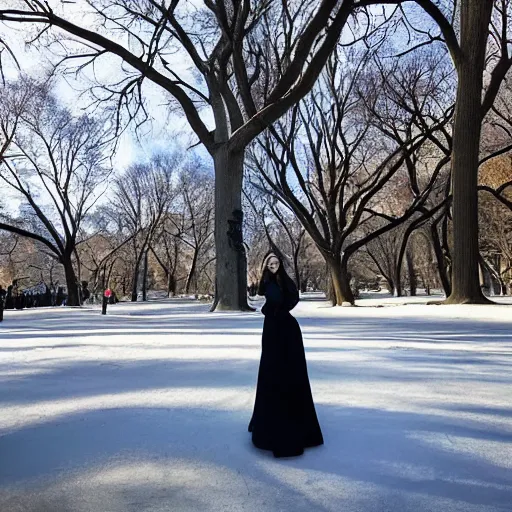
9 301
284 418
47 301
86 294
60 299
18 296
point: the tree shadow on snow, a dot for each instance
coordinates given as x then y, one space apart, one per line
398 453
373 460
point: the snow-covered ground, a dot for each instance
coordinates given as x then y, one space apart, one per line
146 409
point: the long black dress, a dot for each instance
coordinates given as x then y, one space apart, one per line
284 418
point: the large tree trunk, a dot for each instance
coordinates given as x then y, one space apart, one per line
231 262
171 285
192 270
397 291
475 19
71 282
338 271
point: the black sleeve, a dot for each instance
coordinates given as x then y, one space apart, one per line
291 294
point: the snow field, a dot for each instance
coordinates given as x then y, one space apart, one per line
146 409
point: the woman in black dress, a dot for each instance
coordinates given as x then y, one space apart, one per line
284 418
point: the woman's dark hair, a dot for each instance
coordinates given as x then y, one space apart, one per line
267 276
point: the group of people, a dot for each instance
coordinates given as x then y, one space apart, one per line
43 295
40 295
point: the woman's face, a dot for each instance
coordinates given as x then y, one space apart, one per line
273 264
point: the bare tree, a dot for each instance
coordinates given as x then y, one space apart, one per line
477 35
384 252
168 249
100 252
57 164
255 60
16 100
22 257
283 233
196 190
495 216
496 241
346 172
141 198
